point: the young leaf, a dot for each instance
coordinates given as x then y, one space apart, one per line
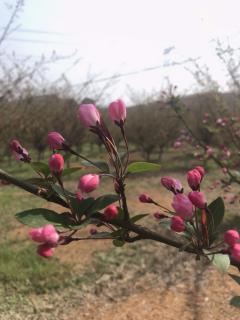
220 261
80 207
102 202
137 167
235 301
41 216
216 214
138 217
41 167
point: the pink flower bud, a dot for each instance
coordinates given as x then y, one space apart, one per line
172 184
89 182
198 199
201 170
183 206
177 144
45 250
93 231
235 252
224 170
231 237
88 115
145 198
50 234
55 140
56 163
194 179
110 212
177 224
20 153
36 234
47 234
159 215
117 111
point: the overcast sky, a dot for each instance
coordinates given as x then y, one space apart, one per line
118 37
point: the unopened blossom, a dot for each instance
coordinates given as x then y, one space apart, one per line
45 250
201 170
110 212
177 224
177 144
145 198
55 141
194 179
56 163
89 182
231 237
172 184
117 111
46 234
198 199
235 252
89 115
183 206
20 153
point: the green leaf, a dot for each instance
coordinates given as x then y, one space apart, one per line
138 217
137 167
80 207
102 202
58 190
41 216
68 171
215 215
101 165
82 225
235 302
118 242
41 167
220 261
235 278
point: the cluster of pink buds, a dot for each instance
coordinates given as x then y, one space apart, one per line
182 204
48 237
90 117
222 122
232 237
20 153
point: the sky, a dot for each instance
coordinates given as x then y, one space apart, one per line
111 37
